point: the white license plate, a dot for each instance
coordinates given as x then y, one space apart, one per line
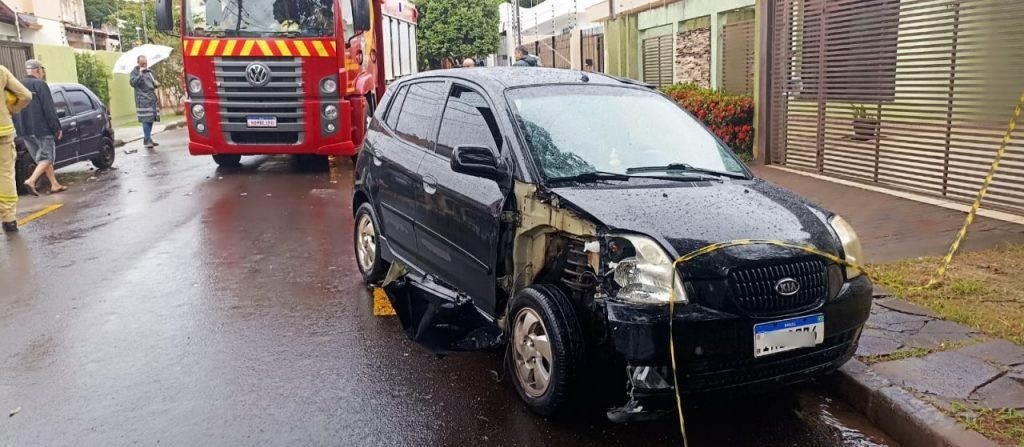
261 121
786 335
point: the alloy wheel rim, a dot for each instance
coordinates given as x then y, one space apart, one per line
532 351
366 243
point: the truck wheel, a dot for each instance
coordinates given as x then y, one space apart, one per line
366 238
23 168
105 159
545 349
227 160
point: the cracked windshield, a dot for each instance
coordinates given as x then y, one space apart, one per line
263 18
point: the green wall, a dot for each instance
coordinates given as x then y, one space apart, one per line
60 67
59 62
622 42
122 97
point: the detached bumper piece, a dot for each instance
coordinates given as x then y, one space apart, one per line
438 318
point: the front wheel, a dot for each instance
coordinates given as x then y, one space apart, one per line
105 158
23 168
366 239
227 160
546 349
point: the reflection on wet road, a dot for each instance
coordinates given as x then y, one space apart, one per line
169 302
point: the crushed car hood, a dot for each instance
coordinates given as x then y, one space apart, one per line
685 216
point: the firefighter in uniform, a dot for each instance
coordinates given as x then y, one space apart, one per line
18 97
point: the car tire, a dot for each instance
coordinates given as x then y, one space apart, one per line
544 313
23 167
105 159
228 160
366 243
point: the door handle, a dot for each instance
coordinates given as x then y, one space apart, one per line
73 123
429 185
377 161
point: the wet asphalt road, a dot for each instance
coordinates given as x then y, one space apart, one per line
171 303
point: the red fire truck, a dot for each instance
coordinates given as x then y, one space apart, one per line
287 76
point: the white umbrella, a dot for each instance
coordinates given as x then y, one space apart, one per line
154 53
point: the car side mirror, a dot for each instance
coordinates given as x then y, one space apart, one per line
164 16
361 15
477 161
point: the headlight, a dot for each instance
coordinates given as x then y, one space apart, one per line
198 111
851 244
329 85
331 112
647 277
195 86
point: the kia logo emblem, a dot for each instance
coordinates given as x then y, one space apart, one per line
787 287
257 74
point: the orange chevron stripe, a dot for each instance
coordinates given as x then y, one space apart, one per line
259 47
196 46
282 47
264 48
211 49
229 48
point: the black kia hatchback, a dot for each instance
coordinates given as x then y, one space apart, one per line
544 210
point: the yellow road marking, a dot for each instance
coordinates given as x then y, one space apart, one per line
381 303
39 213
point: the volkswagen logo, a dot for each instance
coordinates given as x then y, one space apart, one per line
257 74
787 287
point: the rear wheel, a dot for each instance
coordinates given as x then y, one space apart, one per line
366 239
546 349
105 158
227 160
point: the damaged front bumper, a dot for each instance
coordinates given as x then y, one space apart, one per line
714 350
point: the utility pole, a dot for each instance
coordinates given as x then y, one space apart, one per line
92 27
145 34
17 21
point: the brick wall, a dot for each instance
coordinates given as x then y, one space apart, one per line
693 57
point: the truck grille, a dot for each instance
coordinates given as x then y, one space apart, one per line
754 287
282 97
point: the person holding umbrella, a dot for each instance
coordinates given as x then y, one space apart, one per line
147 106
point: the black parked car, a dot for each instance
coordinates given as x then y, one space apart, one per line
544 209
88 132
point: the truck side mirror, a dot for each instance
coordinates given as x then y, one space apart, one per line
477 161
360 14
164 16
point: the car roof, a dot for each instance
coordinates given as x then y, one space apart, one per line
501 78
66 85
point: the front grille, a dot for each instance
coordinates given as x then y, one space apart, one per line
282 97
753 288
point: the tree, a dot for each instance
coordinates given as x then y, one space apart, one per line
99 12
456 29
169 72
93 73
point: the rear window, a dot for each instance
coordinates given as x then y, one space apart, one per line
80 102
395 107
418 114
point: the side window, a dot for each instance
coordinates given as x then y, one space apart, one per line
418 114
61 105
80 102
395 107
467 120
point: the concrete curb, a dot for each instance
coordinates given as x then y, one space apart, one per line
170 126
910 421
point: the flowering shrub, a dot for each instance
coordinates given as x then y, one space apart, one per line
731 117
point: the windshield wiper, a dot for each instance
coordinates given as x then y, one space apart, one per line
589 177
683 167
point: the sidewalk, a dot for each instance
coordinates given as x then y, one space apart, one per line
130 134
893 228
924 380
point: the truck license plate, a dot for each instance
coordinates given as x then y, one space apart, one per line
780 336
261 121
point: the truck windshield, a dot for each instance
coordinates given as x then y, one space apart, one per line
260 18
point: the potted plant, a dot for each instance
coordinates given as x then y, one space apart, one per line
865 126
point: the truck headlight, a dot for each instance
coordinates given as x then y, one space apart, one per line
647 276
851 244
195 86
330 112
329 85
198 111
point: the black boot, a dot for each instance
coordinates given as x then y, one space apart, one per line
11 227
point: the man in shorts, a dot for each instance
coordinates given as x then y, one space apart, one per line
39 128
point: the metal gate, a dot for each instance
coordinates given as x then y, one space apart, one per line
658 60
13 56
592 49
912 94
738 58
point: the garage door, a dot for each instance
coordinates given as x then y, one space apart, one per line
658 61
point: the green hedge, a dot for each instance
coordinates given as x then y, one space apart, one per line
94 74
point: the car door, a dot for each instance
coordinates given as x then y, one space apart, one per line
462 212
411 125
67 147
89 119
